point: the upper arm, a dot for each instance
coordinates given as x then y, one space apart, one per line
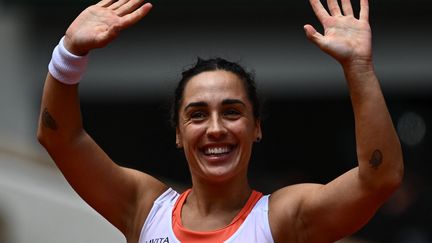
340 207
121 195
115 192
325 213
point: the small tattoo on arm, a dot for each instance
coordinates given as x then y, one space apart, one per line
376 159
48 121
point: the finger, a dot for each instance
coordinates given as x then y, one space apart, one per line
117 4
136 15
129 7
334 7
319 10
364 10
347 8
313 35
104 3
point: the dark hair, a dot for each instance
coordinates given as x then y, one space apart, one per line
213 64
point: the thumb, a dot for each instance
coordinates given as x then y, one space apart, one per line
313 35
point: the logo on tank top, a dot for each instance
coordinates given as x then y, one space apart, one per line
158 240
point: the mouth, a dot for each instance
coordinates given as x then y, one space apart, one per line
217 150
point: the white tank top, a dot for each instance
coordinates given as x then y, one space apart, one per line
158 226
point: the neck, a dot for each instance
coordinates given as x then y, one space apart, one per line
209 197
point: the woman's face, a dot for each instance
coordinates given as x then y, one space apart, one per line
216 126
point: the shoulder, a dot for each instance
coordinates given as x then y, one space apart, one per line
285 207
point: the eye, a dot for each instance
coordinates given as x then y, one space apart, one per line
231 113
198 115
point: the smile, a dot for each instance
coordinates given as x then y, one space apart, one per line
217 151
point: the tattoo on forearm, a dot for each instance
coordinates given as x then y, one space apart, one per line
48 121
376 159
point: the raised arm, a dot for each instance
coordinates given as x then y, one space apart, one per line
123 196
326 213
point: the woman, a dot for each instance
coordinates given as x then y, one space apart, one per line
217 121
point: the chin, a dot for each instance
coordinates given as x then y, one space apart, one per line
221 174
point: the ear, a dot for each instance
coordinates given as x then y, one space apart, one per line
179 143
258 132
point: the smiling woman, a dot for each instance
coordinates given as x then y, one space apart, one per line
217 121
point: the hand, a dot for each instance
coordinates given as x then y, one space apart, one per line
345 38
99 24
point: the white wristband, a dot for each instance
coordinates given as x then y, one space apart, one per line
65 66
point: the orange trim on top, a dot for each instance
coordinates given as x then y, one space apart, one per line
215 236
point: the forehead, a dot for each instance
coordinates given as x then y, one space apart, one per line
212 85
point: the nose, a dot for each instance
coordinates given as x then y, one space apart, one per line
216 128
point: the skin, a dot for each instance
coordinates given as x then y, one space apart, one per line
221 115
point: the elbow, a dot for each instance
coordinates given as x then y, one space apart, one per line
392 179
46 139
391 185
396 179
383 182
52 139
45 135
41 137
395 172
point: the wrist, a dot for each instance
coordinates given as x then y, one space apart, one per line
359 66
68 44
65 66
361 78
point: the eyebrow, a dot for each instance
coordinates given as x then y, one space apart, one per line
196 104
224 102
233 102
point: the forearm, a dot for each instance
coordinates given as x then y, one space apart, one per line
60 117
378 149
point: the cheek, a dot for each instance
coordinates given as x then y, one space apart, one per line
191 134
243 130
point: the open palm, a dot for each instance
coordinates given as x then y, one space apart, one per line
99 24
345 38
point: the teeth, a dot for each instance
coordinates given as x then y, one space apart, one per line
216 151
